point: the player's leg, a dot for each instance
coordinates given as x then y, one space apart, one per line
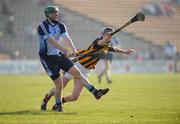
108 63
52 68
49 94
58 92
77 85
80 78
52 92
72 97
65 64
107 71
75 94
68 66
102 72
104 58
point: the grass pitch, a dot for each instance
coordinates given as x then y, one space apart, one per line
133 99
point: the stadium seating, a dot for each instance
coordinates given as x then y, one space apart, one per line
116 12
85 19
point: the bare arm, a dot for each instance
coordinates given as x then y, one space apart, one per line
120 50
70 44
56 44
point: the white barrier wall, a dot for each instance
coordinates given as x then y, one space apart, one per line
20 67
118 66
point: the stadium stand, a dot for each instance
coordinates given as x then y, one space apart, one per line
85 19
155 29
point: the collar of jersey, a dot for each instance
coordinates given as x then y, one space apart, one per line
52 24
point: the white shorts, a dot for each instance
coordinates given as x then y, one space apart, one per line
83 70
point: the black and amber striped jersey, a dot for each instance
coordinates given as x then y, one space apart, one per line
89 61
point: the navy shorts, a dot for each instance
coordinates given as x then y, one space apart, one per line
53 63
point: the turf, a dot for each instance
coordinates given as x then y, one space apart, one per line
133 99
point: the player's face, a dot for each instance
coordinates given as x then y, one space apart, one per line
105 34
55 16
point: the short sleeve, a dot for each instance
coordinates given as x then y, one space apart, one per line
64 32
40 31
43 32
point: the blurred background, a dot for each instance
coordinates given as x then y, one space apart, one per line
156 41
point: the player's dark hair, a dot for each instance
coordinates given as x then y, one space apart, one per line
107 29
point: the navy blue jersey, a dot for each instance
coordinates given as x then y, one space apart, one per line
47 29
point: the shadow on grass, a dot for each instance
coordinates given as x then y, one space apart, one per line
35 112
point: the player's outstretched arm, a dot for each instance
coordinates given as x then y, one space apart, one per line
120 50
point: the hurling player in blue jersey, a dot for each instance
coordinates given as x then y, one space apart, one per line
53 59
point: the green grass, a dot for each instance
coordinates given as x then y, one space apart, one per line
133 99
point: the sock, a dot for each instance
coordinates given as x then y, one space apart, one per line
91 88
45 98
58 101
43 103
